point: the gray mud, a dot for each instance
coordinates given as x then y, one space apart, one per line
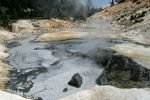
44 69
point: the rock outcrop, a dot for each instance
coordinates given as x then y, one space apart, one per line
124 72
110 93
76 80
22 26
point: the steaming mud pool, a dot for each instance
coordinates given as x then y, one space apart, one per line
44 69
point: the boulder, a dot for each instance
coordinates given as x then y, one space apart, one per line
124 72
22 26
76 80
110 93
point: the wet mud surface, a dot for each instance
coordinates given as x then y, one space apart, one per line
44 69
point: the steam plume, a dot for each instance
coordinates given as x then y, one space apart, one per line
63 8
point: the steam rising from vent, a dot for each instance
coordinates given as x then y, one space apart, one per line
63 8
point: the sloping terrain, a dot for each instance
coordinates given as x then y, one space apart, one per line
133 17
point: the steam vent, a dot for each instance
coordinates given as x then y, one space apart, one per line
74 49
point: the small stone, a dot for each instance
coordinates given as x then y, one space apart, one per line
22 26
76 80
65 89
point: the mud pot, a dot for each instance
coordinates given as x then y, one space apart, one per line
43 69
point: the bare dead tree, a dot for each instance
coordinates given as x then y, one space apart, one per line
112 2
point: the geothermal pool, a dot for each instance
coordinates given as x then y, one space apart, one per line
44 69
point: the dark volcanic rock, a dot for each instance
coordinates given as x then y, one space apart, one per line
13 44
138 20
65 89
76 80
124 72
